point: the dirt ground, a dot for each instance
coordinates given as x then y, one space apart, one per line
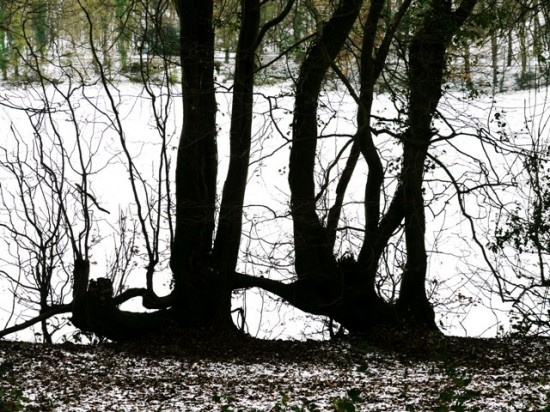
206 372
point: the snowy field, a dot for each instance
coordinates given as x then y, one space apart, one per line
458 282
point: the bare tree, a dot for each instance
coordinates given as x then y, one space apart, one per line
182 214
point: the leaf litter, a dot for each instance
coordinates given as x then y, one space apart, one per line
207 372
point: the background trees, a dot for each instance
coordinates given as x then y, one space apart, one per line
181 219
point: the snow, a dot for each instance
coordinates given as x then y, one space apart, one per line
289 375
456 267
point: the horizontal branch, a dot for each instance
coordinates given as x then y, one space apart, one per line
301 293
149 301
52 311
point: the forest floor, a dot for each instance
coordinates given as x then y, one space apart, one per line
211 373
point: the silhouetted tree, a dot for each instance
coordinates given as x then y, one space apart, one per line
205 227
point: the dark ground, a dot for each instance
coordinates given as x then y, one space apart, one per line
205 372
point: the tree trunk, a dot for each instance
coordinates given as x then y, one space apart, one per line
196 289
228 236
494 61
314 258
426 70
368 264
523 52
468 68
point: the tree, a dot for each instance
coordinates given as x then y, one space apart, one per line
314 259
204 238
520 242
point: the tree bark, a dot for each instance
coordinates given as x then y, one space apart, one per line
367 262
314 259
426 71
195 282
94 309
228 236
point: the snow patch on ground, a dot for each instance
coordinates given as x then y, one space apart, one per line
491 375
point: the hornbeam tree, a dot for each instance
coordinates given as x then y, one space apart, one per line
205 226
345 290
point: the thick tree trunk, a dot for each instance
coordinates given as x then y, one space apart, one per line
367 260
228 236
197 291
343 290
314 259
523 53
94 309
427 65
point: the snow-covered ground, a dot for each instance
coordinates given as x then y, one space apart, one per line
456 272
431 374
